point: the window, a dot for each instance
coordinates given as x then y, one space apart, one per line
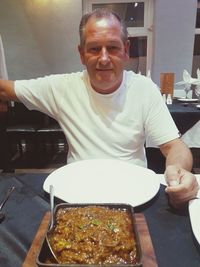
138 16
196 51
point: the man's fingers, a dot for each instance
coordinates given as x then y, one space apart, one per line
181 194
172 175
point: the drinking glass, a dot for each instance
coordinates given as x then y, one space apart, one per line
187 89
197 92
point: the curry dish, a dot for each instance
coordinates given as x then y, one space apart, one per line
94 235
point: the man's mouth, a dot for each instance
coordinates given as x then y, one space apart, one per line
103 69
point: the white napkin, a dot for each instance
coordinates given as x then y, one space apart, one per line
198 74
3 69
187 79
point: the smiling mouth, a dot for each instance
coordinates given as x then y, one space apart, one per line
103 69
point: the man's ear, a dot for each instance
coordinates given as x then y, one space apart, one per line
127 47
81 53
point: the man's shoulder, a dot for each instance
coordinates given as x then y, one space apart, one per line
131 75
138 80
65 76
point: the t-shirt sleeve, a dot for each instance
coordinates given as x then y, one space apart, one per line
37 94
160 127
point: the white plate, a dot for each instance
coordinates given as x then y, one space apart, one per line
194 211
188 99
103 181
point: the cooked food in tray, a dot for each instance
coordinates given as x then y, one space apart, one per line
94 235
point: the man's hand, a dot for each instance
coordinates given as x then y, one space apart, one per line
7 91
182 186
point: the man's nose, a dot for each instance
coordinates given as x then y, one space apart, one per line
104 56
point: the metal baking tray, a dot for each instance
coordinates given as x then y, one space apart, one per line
44 252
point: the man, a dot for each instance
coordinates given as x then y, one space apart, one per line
106 112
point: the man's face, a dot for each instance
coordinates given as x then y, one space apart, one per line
104 54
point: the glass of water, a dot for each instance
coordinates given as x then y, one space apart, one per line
187 89
197 92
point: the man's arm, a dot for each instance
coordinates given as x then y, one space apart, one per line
177 153
182 184
7 92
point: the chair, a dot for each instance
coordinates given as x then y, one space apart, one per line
155 160
50 134
21 128
3 144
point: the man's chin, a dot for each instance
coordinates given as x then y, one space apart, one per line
105 76
105 87
105 83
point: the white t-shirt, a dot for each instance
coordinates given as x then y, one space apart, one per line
102 125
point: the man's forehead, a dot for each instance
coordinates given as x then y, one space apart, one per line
91 43
103 22
103 29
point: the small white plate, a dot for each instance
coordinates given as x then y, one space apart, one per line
188 99
103 181
194 211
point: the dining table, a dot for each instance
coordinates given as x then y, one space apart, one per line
184 114
170 231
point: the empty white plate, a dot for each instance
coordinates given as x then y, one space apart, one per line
103 181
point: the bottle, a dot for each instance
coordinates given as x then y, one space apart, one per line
169 99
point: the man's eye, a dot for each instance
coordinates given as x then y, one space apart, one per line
94 49
113 48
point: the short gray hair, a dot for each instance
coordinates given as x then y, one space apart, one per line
98 14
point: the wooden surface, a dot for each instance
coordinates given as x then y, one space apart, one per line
148 255
30 260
